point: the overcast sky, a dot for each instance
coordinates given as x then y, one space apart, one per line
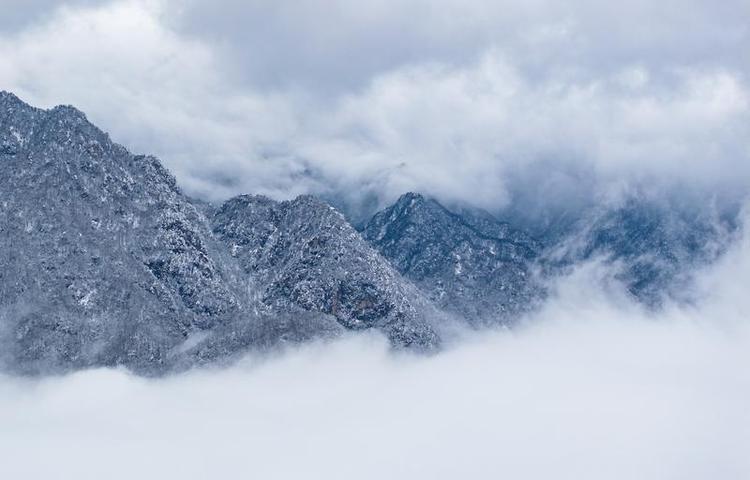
457 99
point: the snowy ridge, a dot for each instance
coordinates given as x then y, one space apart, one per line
104 261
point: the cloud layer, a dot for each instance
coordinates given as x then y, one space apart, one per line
619 400
458 100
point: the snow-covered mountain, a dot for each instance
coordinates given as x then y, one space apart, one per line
304 254
652 245
468 263
104 261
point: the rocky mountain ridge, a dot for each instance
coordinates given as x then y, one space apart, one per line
104 261
471 265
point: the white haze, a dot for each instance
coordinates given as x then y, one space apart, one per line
591 387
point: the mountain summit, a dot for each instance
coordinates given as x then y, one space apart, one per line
105 261
470 264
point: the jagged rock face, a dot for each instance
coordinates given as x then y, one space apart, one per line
304 253
104 261
469 263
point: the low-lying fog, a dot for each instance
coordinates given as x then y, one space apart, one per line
592 387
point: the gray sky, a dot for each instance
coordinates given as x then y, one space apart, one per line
458 99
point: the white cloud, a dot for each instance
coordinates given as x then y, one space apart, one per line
460 133
459 124
339 44
588 391
155 91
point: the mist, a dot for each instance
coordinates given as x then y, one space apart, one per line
591 386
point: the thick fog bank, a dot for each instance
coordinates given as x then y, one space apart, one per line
608 400
592 387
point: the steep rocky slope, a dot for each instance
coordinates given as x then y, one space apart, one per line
304 253
469 263
104 261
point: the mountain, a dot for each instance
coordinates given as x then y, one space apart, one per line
486 271
304 253
467 262
307 272
653 245
104 261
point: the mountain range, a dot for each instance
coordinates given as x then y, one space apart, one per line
104 261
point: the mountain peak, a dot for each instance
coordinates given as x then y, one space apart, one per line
10 101
250 199
11 105
13 109
311 201
7 97
68 111
409 200
410 197
302 255
473 265
18 121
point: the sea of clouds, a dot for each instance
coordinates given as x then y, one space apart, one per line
592 386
